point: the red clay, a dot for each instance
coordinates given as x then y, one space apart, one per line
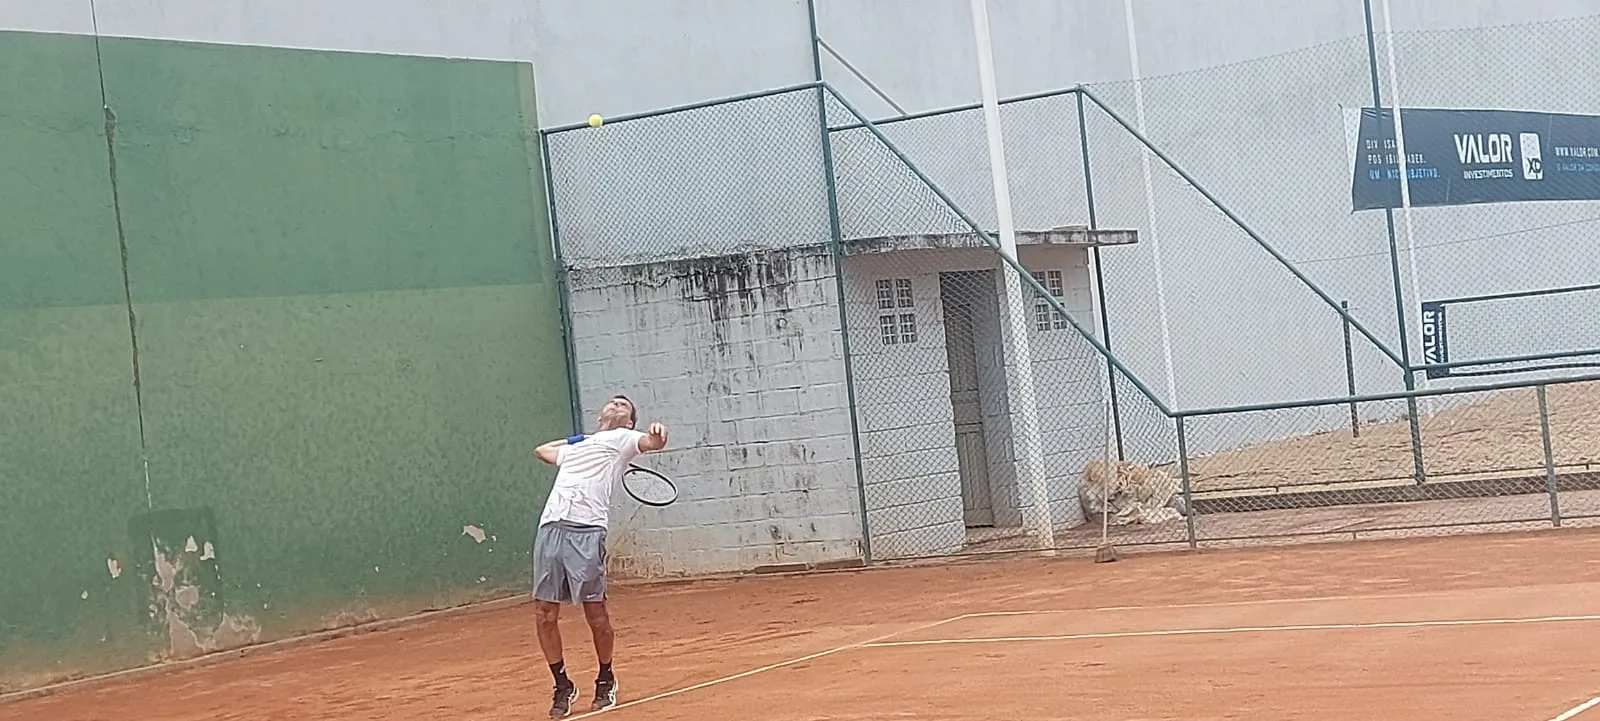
487 665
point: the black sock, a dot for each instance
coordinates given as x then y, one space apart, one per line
559 670
605 672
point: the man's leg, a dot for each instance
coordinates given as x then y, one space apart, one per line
605 683
550 590
605 638
547 619
593 593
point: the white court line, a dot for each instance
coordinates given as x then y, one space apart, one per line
770 667
1580 708
1237 629
1230 604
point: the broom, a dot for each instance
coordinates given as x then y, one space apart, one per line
1105 552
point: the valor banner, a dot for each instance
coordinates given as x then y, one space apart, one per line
1465 157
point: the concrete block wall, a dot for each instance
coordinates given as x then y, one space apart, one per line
913 488
1067 377
742 357
910 465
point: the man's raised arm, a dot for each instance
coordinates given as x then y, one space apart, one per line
551 452
654 440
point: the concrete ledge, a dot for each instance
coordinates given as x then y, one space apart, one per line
835 565
627 268
1066 235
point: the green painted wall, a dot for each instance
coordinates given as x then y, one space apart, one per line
348 344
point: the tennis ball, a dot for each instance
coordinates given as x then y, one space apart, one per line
595 120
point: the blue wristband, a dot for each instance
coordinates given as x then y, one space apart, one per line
576 438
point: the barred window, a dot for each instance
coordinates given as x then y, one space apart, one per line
908 328
902 292
897 328
1044 316
885 295
890 329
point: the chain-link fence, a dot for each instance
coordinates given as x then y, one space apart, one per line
1290 143
1573 451
1172 299
983 406
703 285
819 303
1539 133
861 355
1513 458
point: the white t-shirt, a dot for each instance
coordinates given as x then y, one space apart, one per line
586 474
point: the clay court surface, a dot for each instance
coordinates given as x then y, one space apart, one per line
1501 627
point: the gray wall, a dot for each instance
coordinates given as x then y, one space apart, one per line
741 357
910 462
608 57
618 56
922 51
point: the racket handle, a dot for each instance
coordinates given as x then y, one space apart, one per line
575 438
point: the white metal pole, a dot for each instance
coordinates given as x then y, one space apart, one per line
1024 416
1152 238
1405 190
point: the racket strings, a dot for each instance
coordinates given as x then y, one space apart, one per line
648 487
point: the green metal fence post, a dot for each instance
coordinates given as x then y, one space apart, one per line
1549 456
1188 485
1099 278
563 288
836 246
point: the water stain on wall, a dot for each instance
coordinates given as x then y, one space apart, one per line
728 287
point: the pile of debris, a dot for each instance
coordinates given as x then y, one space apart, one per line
1135 493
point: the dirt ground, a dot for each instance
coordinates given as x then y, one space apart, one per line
1494 432
1485 627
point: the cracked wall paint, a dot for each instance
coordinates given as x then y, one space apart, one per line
185 605
189 601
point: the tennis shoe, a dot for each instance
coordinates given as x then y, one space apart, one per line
605 694
565 696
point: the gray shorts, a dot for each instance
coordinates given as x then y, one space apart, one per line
569 563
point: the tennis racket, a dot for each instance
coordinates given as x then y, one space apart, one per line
649 487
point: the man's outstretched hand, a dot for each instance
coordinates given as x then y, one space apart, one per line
655 438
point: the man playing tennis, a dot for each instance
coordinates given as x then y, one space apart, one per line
569 550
